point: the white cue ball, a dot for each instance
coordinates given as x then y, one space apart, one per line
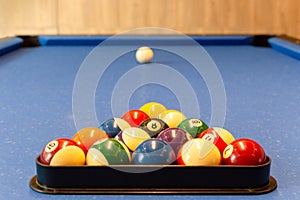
144 54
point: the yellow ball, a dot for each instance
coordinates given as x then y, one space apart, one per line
68 156
144 54
199 152
96 158
133 137
153 109
121 123
224 134
172 117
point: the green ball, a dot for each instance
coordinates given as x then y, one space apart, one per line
193 126
108 152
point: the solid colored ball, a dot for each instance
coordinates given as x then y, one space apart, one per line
134 117
244 152
219 136
108 152
119 137
113 126
153 126
175 137
193 126
144 54
199 152
172 117
153 152
132 137
62 152
86 137
153 109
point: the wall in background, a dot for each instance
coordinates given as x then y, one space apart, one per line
89 17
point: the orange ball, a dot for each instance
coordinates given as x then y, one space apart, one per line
86 137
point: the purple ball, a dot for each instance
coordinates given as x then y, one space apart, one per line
119 137
175 137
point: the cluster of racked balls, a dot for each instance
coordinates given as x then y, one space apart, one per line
153 135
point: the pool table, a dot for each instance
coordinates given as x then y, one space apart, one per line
51 86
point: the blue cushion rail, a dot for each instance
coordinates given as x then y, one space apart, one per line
125 40
286 47
9 44
71 40
224 40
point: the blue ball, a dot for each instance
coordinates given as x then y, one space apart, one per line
110 127
153 152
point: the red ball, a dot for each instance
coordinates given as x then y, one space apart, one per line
219 136
134 117
244 152
62 151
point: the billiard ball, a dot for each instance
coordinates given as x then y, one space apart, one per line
86 137
244 152
193 126
119 137
144 54
198 152
153 152
175 137
132 137
62 152
113 126
108 152
172 117
153 109
134 117
219 136
153 126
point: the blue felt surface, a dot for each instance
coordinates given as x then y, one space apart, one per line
36 84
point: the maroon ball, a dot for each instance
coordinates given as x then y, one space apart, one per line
175 137
119 136
244 152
